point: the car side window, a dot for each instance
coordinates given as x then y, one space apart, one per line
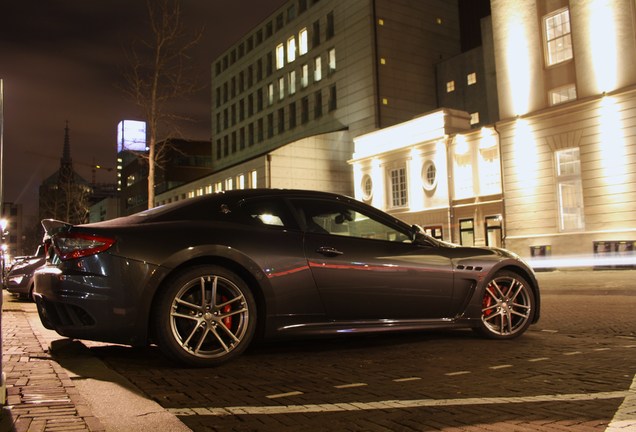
266 212
340 219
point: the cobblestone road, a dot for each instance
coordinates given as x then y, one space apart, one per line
572 371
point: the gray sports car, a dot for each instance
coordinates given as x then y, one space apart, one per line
201 277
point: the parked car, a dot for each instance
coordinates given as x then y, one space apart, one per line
201 277
19 278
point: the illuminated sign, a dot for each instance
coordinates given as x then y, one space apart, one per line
131 135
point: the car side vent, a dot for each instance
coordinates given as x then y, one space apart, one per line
475 268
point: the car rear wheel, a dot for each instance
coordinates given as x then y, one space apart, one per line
507 306
205 316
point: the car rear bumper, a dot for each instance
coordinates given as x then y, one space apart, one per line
93 306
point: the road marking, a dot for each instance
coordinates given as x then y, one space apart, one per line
572 353
407 379
393 404
282 395
625 418
457 373
550 331
539 359
501 366
352 385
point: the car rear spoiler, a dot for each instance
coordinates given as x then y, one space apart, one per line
52 226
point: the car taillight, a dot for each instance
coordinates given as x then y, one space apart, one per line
76 245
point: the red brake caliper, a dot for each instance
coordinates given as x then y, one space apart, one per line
487 302
227 321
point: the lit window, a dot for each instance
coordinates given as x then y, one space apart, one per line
280 56
302 42
380 22
291 49
317 69
281 88
467 232
304 76
385 101
429 175
292 82
450 86
570 190
397 181
253 183
367 187
474 118
562 94
270 93
332 59
240 181
558 38
218 187
229 184
471 78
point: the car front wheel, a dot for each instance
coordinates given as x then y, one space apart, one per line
507 306
205 316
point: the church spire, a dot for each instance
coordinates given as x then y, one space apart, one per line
66 153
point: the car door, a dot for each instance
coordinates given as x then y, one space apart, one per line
367 268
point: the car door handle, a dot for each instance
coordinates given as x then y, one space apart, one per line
328 251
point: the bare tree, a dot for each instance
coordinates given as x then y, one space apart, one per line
160 71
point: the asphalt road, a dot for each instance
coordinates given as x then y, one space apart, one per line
574 370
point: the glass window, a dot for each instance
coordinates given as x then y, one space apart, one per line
281 88
367 187
570 190
266 213
330 25
562 94
304 76
558 38
292 82
303 44
291 49
332 60
429 175
280 56
317 69
471 78
450 86
317 104
474 118
493 231
340 219
467 232
398 185
270 93
333 98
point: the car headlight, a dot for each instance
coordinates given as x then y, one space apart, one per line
15 279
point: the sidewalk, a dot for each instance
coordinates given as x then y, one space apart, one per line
40 394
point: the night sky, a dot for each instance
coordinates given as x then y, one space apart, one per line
63 60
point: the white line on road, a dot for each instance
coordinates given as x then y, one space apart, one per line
397 404
352 385
625 418
282 395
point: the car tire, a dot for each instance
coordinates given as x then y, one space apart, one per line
198 330
508 306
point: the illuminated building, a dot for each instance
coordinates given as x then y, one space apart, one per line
566 74
289 96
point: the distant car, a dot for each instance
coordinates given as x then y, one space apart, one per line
19 280
203 276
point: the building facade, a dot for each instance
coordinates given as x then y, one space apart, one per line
566 82
314 68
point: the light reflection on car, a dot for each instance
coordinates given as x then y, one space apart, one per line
203 277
